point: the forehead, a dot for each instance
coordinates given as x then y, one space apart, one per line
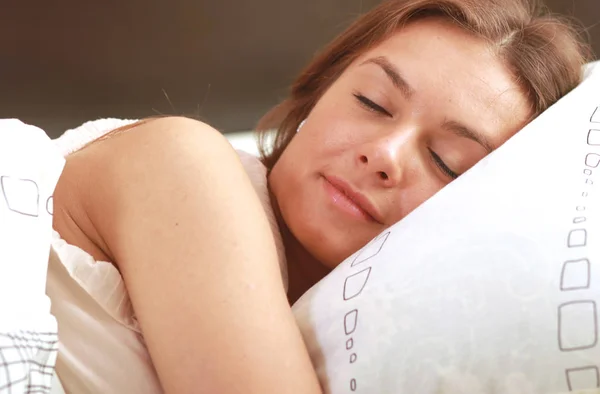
452 69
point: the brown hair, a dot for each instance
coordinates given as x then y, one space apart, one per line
545 53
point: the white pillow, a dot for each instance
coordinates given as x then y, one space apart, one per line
491 286
29 170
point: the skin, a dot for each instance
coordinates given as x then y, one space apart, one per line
169 203
386 154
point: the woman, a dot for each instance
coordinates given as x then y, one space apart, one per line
411 96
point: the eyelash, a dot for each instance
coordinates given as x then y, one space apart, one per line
441 165
369 105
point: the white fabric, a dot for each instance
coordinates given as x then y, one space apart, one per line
491 286
101 347
29 169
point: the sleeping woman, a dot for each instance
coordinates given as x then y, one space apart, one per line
176 258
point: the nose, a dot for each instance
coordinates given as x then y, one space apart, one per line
388 157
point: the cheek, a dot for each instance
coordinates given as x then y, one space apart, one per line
411 197
292 181
308 218
336 120
284 177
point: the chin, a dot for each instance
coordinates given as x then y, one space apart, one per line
325 237
330 248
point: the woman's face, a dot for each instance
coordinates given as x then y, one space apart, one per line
401 122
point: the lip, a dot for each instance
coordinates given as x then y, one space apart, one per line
351 200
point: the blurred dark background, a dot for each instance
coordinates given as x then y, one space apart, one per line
224 61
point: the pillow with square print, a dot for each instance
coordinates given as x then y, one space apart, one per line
491 286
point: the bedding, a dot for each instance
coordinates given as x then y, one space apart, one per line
29 170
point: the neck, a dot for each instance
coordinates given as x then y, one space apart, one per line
304 270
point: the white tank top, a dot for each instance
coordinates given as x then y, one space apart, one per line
101 349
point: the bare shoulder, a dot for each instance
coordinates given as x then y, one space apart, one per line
164 157
156 139
170 204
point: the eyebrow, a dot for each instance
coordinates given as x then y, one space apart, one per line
463 131
407 91
393 74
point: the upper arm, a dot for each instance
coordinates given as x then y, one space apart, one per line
177 213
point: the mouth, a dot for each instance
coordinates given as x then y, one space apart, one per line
351 201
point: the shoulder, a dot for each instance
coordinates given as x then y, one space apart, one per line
117 180
153 147
157 138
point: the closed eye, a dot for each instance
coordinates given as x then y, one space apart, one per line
371 105
442 166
